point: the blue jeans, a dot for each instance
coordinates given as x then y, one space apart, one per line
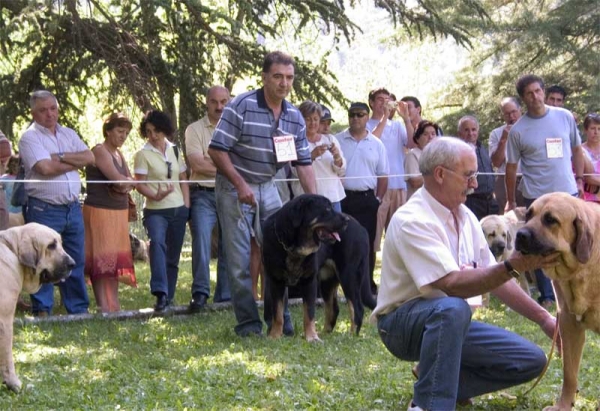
458 358
166 230
67 220
337 206
203 213
544 284
236 244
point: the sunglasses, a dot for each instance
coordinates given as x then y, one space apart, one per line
359 115
169 169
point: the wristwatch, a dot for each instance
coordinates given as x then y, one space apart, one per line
61 156
511 270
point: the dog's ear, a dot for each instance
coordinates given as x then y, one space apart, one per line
21 245
298 211
584 240
28 251
509 240
297 215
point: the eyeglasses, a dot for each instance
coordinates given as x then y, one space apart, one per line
169 169
468 178
359 115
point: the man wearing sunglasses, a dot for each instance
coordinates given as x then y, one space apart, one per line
481 201
366 178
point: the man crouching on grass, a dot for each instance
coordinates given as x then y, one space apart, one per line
435 255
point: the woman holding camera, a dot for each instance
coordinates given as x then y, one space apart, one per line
329 163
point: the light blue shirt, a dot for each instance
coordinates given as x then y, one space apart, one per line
395 139
365 160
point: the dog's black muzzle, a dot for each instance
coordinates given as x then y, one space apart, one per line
528 243
61 271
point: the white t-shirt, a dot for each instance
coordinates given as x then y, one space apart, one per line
422 246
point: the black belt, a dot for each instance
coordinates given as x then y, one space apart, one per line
198 187
359 193
483 196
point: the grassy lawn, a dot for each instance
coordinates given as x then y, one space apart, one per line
197 362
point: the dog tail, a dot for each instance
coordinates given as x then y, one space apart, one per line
366 296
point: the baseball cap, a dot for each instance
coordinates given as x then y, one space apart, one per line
326 114
359 106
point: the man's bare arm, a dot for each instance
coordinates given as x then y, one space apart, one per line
511 186
306 175
225 167
202 164
71 161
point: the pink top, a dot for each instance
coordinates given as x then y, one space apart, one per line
596 163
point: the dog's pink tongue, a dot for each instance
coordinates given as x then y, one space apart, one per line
336 236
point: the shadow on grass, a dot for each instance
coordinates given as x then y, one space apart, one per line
197 362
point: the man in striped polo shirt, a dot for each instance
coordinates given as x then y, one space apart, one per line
258 133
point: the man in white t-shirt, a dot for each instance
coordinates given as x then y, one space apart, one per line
394 136
434 257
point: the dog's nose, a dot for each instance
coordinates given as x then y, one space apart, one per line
523 239
70 263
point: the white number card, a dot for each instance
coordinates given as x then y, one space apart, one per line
554 147
285 149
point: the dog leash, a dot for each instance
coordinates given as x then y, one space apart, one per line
254 227
554 339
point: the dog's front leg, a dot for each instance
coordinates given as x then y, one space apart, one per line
573 337
274 293
7 365
309 300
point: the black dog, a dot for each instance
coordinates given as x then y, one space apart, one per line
307 243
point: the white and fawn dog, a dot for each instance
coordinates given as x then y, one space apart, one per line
500 233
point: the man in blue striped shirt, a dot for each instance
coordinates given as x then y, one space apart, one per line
259 132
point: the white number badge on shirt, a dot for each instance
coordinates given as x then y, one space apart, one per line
285 148
554 147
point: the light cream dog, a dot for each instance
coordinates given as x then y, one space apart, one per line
30 255
500 232
561 223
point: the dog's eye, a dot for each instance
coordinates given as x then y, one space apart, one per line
52 245
549 219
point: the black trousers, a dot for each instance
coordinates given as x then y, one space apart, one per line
482 204
363 206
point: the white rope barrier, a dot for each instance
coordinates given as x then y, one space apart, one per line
212 181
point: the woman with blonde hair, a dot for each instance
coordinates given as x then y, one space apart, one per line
328 160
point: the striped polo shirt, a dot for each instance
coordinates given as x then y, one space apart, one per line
246 131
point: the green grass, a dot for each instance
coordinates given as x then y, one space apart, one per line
197 362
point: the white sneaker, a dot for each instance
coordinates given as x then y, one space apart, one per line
412 407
